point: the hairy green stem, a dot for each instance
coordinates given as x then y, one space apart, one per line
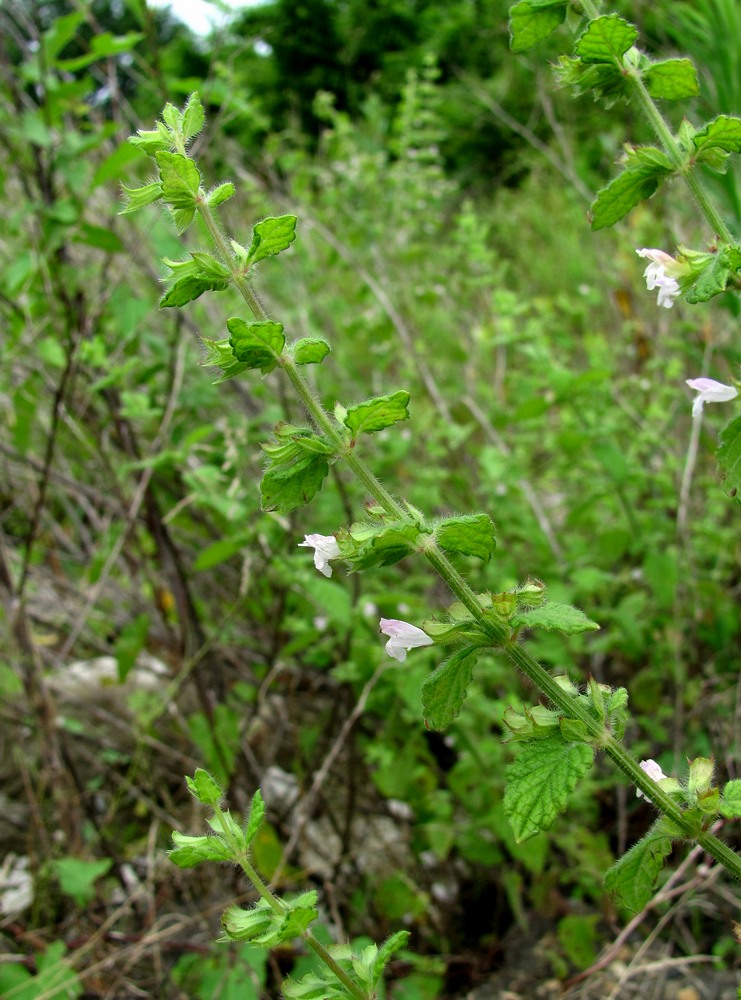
499 634
667 140
277 906
672 150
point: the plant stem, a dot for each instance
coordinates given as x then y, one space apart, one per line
672 150
499 633
671 147
277 906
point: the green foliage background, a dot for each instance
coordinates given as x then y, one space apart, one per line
441 187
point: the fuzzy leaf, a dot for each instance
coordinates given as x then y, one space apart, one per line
723 133
540 780
258 345
263 926
671 80
193 117
730 806
445 690
310 351
189 288
554 618
530 21
729 456
632 879
623 193
714 278
376 414
152 141
471 535
191 851
271 236
220 194
383 545
139 197
209 267
606 40
180 179
204 788
284 488
257 814
384 953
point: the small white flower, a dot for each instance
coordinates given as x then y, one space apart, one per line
402 637
654 772
709 391
662 273
325 548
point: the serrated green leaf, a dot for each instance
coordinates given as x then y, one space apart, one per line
530 21
715 276
152 141
220 194
471 535
320 985
263 926
191 851
723 132
287 487
384 953
245 925
258 345
180 179
600 80
204 788
272 236
729 456
671 80
623 193
172 117
606 40
140 197
193 117
378 413
189 288
369 545
445 690
554 618
310 351
649 156
209 267
539 782
730 805
257 815
219 353
632 879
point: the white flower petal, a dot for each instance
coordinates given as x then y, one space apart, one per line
325 548
709 391
654 772
402 636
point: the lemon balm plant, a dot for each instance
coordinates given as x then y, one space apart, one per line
559 740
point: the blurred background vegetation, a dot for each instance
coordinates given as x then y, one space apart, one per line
156 620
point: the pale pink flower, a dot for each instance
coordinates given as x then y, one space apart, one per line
662 273
654 772
709 391
325 548
402 637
